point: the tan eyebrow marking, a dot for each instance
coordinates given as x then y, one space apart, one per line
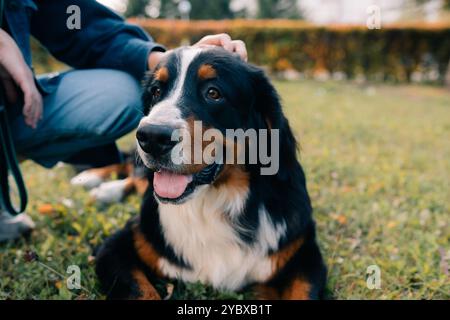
162 74
206 72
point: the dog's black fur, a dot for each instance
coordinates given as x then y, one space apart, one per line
248 100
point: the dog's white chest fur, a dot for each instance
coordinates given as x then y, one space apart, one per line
201 232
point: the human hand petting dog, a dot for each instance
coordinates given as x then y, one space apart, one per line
225 41
219 40
14 73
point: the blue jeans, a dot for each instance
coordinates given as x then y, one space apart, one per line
88 110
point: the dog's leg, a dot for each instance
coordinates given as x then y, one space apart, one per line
120 271
265 292
299 273
295 289
113 191
298 289
92 178
146 290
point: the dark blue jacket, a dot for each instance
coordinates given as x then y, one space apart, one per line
104 40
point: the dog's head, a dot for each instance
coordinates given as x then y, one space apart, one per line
194 101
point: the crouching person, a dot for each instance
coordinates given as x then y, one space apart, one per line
75 116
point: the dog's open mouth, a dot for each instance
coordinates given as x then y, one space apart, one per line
172 187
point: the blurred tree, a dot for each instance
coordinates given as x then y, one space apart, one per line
239 8
169 9
136 8
201 9
214 9
271 9
217 9
447 4
423 10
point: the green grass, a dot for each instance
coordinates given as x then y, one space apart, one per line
378 166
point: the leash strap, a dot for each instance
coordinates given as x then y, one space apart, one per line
8 160
8 163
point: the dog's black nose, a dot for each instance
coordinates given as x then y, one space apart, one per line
156 139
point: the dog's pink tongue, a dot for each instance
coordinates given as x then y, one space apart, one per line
170 185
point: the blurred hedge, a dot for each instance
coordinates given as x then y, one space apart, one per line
395 53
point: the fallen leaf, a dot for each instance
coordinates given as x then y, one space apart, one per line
346 189
46 209
391 224
58 284
341 219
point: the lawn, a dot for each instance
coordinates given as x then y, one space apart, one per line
378 166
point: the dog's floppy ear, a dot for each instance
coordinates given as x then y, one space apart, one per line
290 177
268 108
266 102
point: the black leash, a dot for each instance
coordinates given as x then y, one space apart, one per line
8 160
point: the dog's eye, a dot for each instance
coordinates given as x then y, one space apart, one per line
156 92
213 94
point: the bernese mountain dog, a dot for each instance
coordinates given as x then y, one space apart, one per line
224 224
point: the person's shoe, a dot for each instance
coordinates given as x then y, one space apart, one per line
12 228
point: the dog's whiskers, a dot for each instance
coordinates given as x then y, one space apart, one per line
137 159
